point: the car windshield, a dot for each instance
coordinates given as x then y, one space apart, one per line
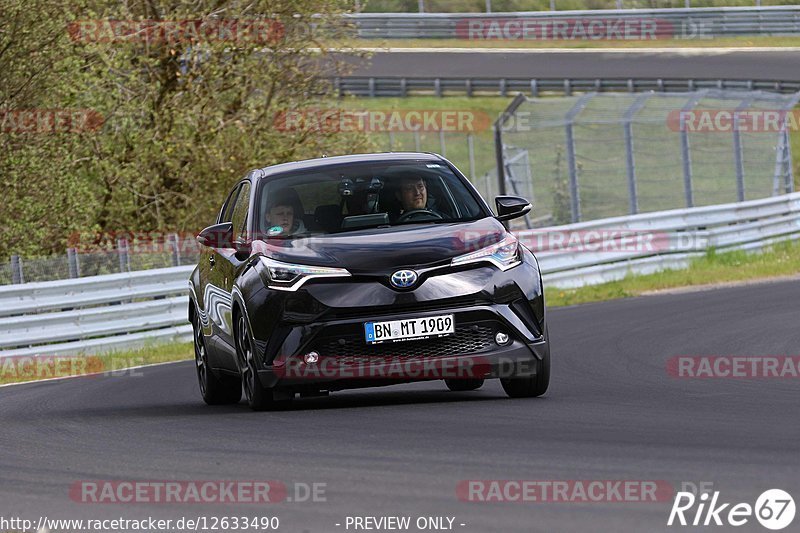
350 197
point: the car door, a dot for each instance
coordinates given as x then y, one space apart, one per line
227 263
213 300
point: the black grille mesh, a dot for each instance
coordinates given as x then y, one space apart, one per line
468 339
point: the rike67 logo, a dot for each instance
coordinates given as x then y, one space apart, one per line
774 509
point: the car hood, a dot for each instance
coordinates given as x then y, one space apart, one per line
387 249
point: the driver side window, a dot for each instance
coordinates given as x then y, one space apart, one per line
239 215
226 212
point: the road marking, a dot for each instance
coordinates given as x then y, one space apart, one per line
111 372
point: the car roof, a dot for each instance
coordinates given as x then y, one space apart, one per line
322 162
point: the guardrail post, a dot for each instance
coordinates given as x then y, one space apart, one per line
442 143
16 270
503 87
176 249
468 86
391 141
372 87
73 262
417 141
437 86
124 259
403 87
534 88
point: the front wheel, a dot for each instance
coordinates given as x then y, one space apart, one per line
214 390
531 386
258 398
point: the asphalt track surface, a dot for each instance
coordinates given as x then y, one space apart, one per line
699 63
613 413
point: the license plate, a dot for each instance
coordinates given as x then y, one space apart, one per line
410 328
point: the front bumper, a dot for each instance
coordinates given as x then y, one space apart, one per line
328 318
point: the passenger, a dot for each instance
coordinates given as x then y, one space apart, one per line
284 213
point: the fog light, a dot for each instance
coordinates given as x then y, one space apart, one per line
502 338
310 358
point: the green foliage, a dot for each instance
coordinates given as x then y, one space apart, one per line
183 118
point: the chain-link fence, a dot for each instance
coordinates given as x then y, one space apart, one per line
601 155
125 256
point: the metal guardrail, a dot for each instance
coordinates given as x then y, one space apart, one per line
123 311
678 236
677 23
95 314
405 86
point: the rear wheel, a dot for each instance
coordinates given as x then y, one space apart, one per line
215 390
259 398
531 386
461 385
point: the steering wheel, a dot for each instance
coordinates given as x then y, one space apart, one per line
423 214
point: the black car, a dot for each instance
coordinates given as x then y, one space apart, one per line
364 270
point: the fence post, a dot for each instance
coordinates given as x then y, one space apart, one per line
471 152
176 249
738 157
124 260
630 165
498 154
686 156
16 270
572 163
788 149
74 265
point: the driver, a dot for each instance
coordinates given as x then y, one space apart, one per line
412 194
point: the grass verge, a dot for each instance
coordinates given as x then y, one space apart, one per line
22 369
713 268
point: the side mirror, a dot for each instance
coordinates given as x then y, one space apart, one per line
217 236
509 207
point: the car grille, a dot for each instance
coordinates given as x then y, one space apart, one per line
467 339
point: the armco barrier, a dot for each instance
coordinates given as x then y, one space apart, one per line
95 314
685 24
119 311
400 86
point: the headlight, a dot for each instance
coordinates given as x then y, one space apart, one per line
289 277
504 254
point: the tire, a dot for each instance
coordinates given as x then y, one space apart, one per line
531 386
214 390
258 398
462 385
